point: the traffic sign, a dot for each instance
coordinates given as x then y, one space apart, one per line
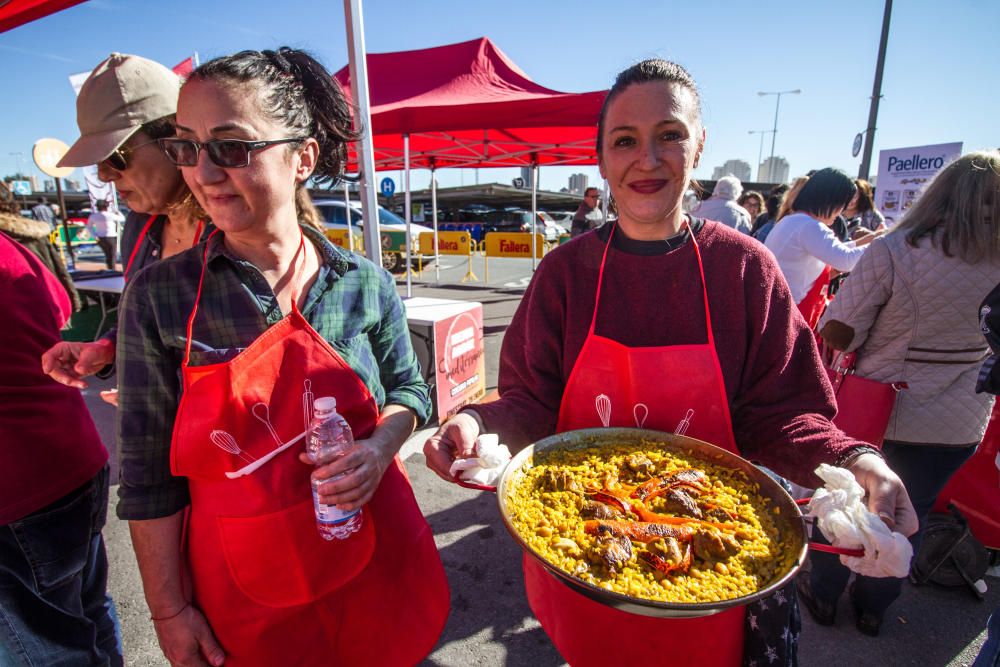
22 188
856 148
387 186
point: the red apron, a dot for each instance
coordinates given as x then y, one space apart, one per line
814 303
667 388
142 236
273 590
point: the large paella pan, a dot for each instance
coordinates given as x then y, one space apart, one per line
598 509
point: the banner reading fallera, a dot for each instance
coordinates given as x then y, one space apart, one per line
903 173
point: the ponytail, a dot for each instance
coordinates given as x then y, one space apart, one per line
299 93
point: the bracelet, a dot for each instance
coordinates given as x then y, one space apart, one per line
174 615
852 454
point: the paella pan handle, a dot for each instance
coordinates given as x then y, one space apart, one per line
473 485
829 548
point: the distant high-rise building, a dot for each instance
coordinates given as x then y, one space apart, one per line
71 185
50 185
526 177
738 168
577 183
773 173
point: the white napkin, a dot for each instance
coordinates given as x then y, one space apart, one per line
843 519
491 459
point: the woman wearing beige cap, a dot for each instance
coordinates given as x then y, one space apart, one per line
124 107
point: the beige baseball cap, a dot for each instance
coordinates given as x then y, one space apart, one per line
122 94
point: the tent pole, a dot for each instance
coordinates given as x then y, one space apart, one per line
434 214
406 203
347 215
604 201
534 211
358 67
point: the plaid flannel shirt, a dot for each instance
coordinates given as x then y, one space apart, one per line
353 304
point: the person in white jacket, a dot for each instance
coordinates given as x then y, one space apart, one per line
806 247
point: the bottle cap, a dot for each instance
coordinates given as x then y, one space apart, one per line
325 404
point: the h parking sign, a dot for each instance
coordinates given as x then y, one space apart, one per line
387 186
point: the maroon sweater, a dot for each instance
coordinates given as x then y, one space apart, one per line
48 443
779 396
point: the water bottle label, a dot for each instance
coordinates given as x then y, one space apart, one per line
329 514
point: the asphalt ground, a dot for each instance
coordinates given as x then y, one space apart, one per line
490 622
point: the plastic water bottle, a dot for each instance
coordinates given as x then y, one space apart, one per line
330 438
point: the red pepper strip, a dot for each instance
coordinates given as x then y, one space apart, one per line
697 490
660 485
638 531
658 563
608 499
653 517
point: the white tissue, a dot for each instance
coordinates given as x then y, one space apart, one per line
491 459
843 519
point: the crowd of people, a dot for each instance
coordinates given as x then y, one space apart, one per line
235 300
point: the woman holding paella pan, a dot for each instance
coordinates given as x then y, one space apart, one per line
658 320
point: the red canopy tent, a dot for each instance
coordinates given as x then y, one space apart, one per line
18 12
469 105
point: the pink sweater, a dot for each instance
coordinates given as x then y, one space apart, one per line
48 443
779 396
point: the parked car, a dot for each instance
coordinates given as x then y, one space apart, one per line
563 218
392 230
519 220
546 226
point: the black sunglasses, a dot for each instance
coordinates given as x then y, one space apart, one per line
118 159
227 153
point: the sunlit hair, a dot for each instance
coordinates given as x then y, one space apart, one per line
826 193
756 196
959 210
648 71
728 187
296 91
788 199
866 201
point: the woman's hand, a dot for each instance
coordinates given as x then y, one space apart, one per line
361 469
887 497
186 639
110 396
456 439
69 362
360 472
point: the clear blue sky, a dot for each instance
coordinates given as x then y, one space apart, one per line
941 75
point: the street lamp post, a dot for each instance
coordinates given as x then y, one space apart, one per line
760 151
774 132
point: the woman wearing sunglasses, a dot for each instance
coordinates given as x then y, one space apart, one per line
222 350
124 107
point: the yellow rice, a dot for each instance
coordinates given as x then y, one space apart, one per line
545 519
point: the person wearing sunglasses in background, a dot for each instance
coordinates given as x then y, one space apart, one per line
124 107
229 344
588 215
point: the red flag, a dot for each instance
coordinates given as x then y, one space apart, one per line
184 67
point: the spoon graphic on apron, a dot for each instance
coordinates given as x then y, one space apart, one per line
264 416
